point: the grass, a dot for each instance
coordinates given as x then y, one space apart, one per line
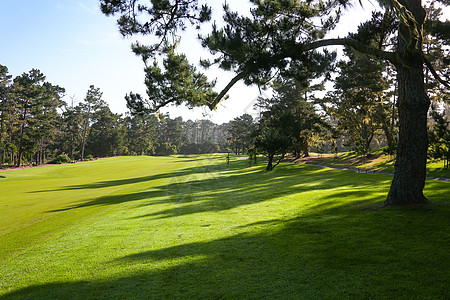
191 227
378 162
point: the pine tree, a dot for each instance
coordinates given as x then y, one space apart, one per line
92 102
280 34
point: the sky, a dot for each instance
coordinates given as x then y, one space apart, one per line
74 45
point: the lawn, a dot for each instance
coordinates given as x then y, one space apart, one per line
377 162
193 227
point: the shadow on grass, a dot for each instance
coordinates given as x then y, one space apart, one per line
121 182
332 250
226 188
327 253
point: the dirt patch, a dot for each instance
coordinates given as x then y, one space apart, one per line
307 160
23 167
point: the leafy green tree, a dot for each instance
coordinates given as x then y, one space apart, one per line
438 53
288 122
170 135
46 118
279 34
69 139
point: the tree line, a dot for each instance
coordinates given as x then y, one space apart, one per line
37 126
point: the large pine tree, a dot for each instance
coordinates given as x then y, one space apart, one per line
280 34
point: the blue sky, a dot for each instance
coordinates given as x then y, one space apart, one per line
73 44
76 46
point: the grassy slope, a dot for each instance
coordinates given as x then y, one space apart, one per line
378 162
195 228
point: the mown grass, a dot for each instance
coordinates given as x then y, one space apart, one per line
193 227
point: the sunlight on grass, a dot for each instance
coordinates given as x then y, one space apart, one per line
192 227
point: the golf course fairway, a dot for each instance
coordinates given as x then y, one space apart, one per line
194 227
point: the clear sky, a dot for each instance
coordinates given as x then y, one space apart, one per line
76 46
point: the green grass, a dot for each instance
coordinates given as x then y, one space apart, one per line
191 227
377 162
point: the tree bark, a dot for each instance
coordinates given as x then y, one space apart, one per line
413 103
410 165
305 148
270 162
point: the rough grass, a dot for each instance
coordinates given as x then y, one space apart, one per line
191 227
377 162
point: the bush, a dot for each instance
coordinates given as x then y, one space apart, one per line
165 149
62 158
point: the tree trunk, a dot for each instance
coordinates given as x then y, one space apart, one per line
413 103
410 165
388 134
19 154
270 163
305 149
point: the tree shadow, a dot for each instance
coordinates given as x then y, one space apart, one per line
332 249
227 188
120 182
329 253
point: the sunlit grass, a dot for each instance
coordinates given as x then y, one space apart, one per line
193 227
377 162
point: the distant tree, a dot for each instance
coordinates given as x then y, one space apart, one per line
439 136
241 133
288 122
273 140
170 135
92 103
290 102
106 134
165 149
141 133
358 102
209 146
5 111
36 103
70 137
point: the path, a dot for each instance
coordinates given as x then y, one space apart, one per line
359 170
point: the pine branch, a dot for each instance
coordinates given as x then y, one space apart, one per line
349 43
435 74
222 94
296 51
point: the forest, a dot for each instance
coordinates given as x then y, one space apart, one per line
37 126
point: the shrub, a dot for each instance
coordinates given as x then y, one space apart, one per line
62 158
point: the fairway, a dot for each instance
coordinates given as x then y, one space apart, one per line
194 227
